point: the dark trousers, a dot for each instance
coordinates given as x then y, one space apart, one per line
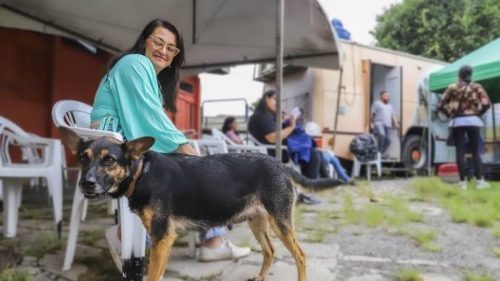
459 135
311 169
284 154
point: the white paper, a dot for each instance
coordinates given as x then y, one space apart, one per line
295 112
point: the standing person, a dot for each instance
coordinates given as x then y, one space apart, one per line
464 102
383 120
230 129
131 99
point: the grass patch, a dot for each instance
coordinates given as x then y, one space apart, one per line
316 236
477 207
102 266
394 211
13 275
45 244
496 251
425 239
318 233
409 275
496 231
91 237
471 276
373 216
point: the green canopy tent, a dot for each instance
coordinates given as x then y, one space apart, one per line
485 62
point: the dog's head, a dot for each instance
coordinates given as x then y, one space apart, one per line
105 162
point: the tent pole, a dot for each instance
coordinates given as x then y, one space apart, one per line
337 107
280 11
429 133
494 132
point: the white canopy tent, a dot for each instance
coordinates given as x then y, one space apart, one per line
216 32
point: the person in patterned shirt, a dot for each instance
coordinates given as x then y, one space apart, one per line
464 102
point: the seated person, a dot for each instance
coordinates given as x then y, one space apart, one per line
230 129
328 157
262 126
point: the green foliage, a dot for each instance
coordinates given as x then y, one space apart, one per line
12 275
444 30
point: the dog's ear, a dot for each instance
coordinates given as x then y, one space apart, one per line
138 146
70 138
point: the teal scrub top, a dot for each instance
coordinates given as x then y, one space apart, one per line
129 101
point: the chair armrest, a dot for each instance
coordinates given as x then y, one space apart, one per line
31 145
246 148
88 133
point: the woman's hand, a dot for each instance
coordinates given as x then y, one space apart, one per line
187 149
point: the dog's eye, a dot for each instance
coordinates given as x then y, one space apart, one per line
83 158
109 160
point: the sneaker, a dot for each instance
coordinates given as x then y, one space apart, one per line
482 184
115 245
226 251
308 199
462 185
350 182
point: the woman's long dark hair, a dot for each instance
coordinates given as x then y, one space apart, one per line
262 106
168 78
227 124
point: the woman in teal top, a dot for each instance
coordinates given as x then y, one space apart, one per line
131 96
130 100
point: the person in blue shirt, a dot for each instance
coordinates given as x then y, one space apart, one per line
132 99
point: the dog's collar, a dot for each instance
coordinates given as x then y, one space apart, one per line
137 173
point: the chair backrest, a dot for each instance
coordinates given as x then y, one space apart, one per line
253 140
8 131
209 146
76 115
71 113
219 135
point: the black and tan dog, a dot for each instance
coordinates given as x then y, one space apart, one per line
175 190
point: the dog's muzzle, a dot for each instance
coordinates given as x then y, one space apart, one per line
88 187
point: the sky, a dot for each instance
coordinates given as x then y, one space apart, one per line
239 82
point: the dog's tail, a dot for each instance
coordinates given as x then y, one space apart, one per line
314 184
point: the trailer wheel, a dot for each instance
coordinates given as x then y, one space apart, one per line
415 152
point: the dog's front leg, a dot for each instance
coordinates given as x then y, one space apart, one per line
160 252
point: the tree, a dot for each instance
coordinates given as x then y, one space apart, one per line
443 30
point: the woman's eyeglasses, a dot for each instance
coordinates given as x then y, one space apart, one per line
160 43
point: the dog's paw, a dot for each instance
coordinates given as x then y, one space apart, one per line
256 278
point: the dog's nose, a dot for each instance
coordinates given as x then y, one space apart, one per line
89 183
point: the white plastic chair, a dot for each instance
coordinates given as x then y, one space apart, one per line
357 167
76 116
48 165
234 147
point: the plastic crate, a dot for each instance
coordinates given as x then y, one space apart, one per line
448 172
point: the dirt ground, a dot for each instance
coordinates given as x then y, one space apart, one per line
382 230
